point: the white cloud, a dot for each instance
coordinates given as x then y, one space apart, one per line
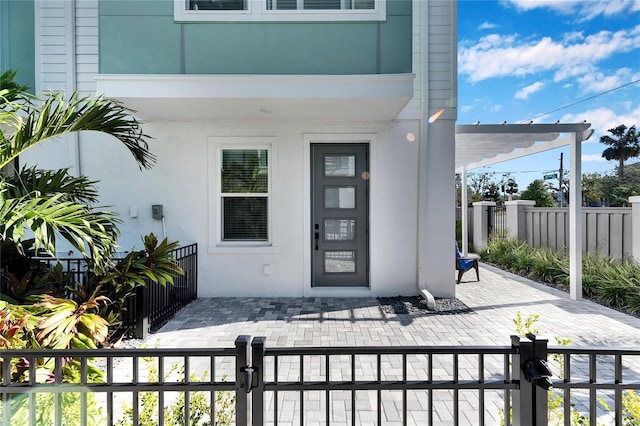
528 90
498 55
597 82
602 119
487 26
582 10
593 158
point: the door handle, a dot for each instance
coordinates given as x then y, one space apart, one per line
317 235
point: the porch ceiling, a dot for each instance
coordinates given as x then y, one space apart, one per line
260 97
485 144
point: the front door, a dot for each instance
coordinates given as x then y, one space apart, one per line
340 215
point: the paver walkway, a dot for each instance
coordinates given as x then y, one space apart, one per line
495 300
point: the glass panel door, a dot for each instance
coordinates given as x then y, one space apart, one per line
340 215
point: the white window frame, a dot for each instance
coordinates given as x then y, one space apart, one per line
216 146
257 12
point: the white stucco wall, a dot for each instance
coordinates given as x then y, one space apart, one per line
182 183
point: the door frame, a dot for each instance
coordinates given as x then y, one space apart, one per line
339 138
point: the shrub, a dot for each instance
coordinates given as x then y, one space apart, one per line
612 282
174 412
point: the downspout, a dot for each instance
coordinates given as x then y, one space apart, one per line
422 145
72 86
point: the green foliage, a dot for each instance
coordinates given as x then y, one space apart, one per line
174 411
622 146
548 265
524 326
69 408
538 192
42 205
555 408
615 283
486 186
459 235
608 190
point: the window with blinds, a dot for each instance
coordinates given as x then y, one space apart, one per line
244 194
320 4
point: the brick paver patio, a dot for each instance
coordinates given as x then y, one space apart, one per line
296 322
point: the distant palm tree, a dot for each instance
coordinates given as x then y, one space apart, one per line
622 146
37 204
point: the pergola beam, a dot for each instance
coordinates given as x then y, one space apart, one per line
476 141
542 147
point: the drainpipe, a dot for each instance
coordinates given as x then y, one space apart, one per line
72 85
422 149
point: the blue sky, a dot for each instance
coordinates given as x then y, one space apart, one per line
519 59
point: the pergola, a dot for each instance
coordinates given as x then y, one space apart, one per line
479 145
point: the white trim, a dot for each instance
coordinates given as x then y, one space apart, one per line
250 86
215 144
344 138
37 18
255 13
260 97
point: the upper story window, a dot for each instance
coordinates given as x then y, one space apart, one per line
217 4
279 10
321 4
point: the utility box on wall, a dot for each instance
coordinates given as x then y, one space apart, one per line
156 211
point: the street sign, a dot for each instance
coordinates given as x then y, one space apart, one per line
550 176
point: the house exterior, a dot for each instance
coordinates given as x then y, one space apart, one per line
307 146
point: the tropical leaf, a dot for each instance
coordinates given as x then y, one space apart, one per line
92 233
55 116
42 183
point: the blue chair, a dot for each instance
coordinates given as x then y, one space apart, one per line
463 264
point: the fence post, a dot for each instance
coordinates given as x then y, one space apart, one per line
481 224
516 219
257 399
142 311
530 402
635 227
242 396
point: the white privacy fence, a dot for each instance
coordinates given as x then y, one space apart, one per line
605 231
612 231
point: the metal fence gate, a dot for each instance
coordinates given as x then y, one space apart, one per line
497 223
254 384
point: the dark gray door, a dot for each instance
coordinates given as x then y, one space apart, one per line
340 215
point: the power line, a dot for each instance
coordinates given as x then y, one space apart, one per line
516 171
582 100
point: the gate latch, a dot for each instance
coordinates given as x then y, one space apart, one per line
250 381
538 371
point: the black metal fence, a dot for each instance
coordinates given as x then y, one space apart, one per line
470 222
255 384
497 223
153 304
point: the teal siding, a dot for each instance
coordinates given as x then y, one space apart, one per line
141 37
395 46
135 45
17 40
280 49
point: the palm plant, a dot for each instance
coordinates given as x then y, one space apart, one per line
54 203
622 146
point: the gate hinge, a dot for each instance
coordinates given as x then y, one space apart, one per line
250 378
